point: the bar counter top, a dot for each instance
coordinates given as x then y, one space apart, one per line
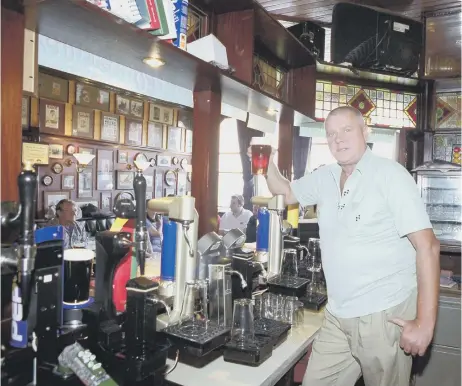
268 373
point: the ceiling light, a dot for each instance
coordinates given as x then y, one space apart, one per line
272 111
154 62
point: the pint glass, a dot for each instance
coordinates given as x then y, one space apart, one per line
77 272
261 151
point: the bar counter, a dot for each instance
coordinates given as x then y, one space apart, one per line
268 373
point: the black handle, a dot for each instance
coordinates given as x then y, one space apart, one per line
139 185
27 185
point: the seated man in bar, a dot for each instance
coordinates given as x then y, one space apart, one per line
380 259
237 217
75 235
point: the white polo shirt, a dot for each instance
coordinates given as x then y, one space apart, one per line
369 263
229 221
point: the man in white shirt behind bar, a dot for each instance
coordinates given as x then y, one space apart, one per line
380 259
237 217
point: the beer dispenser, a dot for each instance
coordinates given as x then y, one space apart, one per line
270 231
178 261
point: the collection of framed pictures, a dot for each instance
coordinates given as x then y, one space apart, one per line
111 169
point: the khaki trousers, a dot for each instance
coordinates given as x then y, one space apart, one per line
368 345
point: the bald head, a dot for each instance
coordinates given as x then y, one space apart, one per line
346 110
346 134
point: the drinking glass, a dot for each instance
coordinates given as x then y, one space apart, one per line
243 330
314 262
193 317
290 309
261 151
289 269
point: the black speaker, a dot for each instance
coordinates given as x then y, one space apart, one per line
311 36
372 39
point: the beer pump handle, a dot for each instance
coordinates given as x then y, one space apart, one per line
139 185
27 185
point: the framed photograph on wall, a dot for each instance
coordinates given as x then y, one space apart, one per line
164 160
125 180
181 184
54 88
55 151
105 161
68 182
25 112
149 182
158 184
92 97
188 141
82 122
52 198
174 138
85 184
133 132
110 129
122 157
106 201
136 108
155 135
52 117
122 105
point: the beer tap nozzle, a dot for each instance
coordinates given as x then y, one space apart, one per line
139 185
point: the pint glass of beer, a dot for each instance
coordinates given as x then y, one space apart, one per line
261 151
77 272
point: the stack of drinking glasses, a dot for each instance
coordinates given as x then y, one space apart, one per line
246 347
288 282
286 309
315 296
195 336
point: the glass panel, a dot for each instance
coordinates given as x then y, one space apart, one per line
385 108
442 198
230 163
229 141
448 110
228 184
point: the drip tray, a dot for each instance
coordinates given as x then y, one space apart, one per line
250 353
275 330
191 345
314 302
295 286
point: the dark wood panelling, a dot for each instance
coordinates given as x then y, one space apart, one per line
235 30
301 89
12 52
206 136
321 10
285 142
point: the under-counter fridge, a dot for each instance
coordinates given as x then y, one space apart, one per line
440 187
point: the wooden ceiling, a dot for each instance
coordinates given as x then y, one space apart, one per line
321 10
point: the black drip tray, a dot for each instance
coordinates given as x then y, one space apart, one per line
288 286
200 345
275 330
251 353
314 302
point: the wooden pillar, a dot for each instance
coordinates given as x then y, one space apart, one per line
206 137
286 122
12 52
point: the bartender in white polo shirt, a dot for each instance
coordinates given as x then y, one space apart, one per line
237 217
380 259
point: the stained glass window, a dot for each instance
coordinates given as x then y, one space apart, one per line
382 107
447 147
448 110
